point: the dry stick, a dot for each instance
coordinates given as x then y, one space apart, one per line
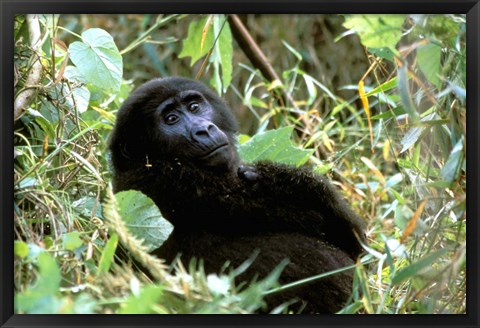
24 98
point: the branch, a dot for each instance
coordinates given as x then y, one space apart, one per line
255 54
260 61
25 97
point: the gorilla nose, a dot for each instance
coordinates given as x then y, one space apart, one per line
201 132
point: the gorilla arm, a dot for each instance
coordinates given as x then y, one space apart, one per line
323 212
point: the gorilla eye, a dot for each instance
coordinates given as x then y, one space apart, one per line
193 107
171 119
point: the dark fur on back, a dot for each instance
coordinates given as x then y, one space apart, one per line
218 216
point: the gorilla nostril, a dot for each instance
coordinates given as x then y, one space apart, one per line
203 131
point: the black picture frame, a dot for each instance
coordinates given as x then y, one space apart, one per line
9 8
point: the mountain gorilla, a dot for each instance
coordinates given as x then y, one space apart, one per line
175 141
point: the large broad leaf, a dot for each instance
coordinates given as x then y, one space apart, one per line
224 50
377 31
275 146
428 58
143 218
98 59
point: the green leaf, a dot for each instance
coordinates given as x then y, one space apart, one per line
86 205
98 59
403 214
415 268
384 53
79 96
49 279
143 218
71 240
108 253
242 138
44 123
225 50
145 302
390 84
192 45
292 50
324 169
404 91
452 167
275 146
411 137
48 241
20 249
40 298
428 58
377 31
397 111
312 91
200 40
414 134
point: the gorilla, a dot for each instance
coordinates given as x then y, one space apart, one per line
175 141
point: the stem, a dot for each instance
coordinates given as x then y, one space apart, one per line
143 38
25 97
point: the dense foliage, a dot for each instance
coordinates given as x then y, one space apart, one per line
376 102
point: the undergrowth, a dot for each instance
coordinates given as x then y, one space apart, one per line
395 148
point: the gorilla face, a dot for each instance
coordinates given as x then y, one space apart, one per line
176 119
184 123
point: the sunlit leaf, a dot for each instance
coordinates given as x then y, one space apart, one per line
390 84
98 59
377 31
71 240
275 146
143 218
108 253
144 303
196 44
20 249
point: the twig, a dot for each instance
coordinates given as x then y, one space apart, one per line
25 97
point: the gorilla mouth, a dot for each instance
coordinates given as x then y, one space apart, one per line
214 151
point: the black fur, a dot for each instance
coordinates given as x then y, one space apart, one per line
223 210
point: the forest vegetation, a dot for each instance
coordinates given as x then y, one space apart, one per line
375 102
